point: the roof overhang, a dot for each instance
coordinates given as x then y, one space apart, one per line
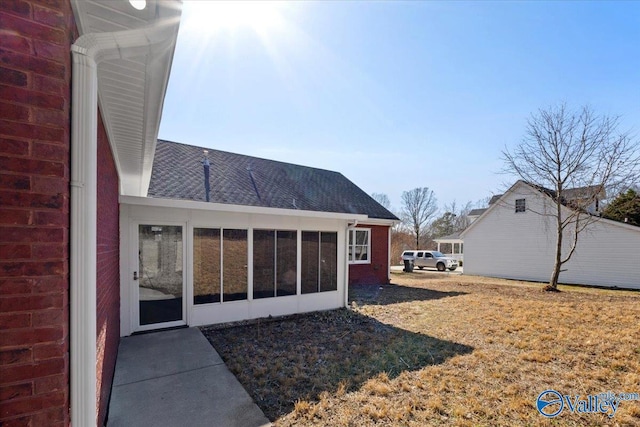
379 221
223 207
132 84
452 238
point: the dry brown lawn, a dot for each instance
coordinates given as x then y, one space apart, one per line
432 349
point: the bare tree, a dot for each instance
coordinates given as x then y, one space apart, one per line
574 156
418 207
383 199
461 214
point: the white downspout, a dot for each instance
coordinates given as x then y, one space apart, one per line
83 239
346 270
389 255
88 51
346 267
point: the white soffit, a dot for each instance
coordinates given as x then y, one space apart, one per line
131 91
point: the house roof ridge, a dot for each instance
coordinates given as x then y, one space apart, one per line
248 156
254 181
565 190
545 192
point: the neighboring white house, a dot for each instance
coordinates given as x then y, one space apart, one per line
513 240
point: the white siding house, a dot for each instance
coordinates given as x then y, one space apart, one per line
513 239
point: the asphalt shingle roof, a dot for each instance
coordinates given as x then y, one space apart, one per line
250 181
477 212
452 236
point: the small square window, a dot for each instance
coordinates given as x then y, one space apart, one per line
521 205
359 245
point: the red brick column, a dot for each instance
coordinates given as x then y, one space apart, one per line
35 75
376 272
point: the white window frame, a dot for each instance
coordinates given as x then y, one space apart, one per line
521 208
351 246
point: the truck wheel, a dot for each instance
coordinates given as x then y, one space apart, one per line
441 267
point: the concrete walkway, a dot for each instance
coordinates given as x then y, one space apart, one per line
176 378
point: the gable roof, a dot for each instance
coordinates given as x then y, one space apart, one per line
476 212
494 198
544 192
589 192
238 179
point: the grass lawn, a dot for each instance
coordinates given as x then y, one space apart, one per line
432 349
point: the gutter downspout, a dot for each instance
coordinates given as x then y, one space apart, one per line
389 255
350 226
88 51
83 240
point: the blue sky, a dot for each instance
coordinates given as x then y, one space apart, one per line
397 95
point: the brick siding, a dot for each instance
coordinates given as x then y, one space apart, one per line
377 272
108 272
35 93
35 77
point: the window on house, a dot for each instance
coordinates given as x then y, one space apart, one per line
206 265
360 246
274 263
319 261
286 262
219 265
521 205
234 262
264 269
310 262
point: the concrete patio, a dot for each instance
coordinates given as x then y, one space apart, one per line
176 378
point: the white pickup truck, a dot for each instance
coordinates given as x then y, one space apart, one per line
430 259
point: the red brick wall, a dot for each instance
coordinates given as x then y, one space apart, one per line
108 273
377 272
35 86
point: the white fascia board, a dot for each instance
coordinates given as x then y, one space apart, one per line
223 207
379 221
458 240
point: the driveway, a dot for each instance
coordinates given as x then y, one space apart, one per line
400 268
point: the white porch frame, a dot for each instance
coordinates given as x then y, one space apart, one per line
456 254
141 210
134 289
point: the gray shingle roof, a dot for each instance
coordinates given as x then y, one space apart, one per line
477 212
452 236
250 181
495 198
